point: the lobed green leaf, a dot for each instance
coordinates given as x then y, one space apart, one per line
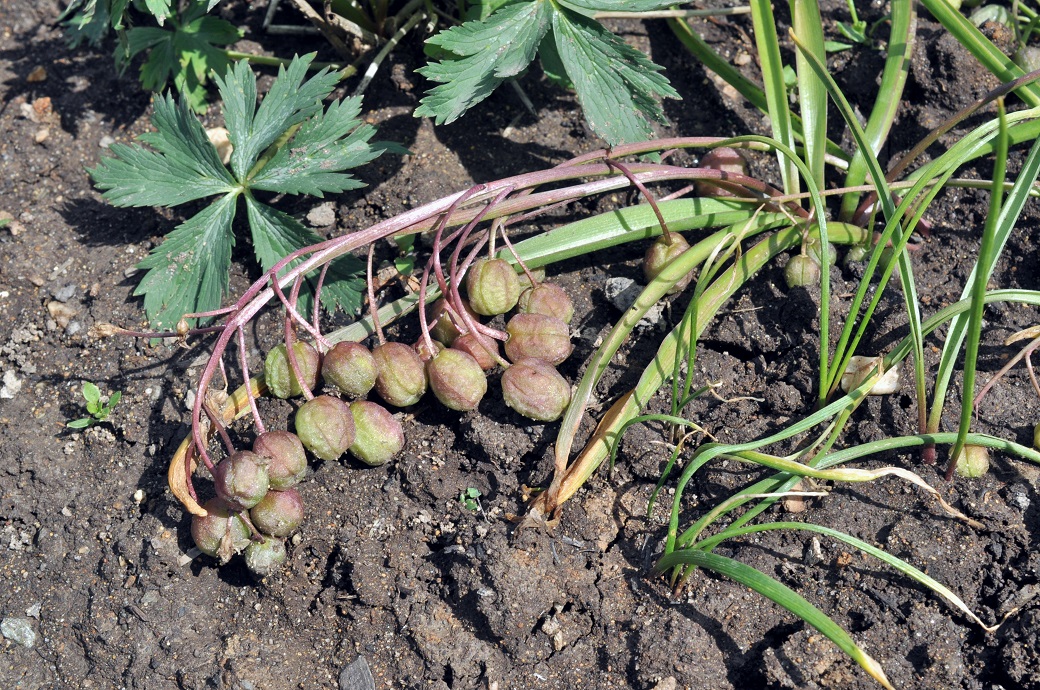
160 9
184 167
615 83
188 272
489 52
185 53
290 101
312 161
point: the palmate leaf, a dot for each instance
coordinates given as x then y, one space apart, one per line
489 52
277 234
188 272
289 102
325 145
288 144
160 9
184 166
616 84
185 52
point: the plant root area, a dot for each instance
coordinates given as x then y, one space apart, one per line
99 589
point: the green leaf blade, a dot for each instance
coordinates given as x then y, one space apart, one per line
616 84
489 52
184 167
289 102
188 272
91 393
780 594
313 161
160 9
276 235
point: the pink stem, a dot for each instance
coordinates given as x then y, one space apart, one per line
290 336
317 297
218 424
372 309
512 250
244 359
290 312
623 169
420 219
424 326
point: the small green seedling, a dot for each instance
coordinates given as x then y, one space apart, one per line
99 409
405 261
470 498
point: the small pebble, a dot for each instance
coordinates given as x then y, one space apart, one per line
322 216
106 141
19 631
357 676
65 293
623 293
61 313
12 385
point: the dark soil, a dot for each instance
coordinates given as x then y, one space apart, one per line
389 565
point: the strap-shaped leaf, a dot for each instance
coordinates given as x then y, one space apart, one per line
490 51
188 272
782 595
616 84
326 144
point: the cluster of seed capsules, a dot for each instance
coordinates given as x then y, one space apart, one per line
257 505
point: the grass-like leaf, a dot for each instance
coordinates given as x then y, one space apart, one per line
782 595
882 115
768 45
617 85
988 252
289 144
811 94
991 57
981 272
